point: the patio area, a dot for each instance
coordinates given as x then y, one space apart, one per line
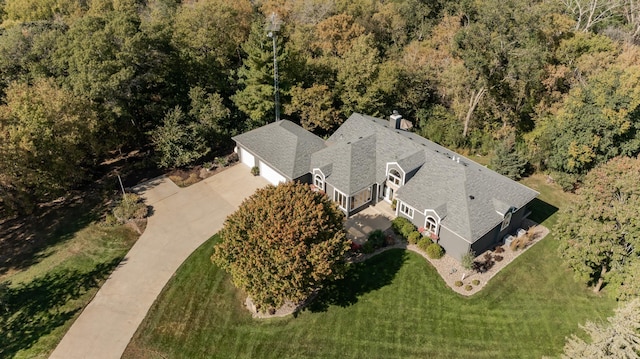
368 220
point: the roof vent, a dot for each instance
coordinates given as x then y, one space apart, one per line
471 197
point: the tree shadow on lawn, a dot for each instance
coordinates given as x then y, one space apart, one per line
361 278
24 240
31 310
541 210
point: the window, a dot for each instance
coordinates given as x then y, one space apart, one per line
318 182
406 210
431 225
394 177
507 221
340 198
361 198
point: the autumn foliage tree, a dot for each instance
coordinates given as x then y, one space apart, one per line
618 338
282 244
600 235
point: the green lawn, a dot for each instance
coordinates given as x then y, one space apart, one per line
45 291
393 306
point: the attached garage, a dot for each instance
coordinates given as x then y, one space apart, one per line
247 158
270 174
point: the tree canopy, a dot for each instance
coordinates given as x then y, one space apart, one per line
282 244
618 338
600 234
561 76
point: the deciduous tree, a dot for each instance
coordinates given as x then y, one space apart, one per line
282 244
596 122
600 234
619 338
47 142
314 107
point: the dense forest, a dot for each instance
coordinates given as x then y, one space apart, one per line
551 86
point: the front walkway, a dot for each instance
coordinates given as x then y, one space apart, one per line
182 219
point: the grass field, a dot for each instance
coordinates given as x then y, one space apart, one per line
392 306
43 293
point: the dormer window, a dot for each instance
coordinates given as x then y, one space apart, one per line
394 177
318 181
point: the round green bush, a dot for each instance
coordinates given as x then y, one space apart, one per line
475 282
376 238
424 243
414 237
435 251
398 223
458 283
407 229
468 287
367 247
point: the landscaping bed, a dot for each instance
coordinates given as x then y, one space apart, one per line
186 177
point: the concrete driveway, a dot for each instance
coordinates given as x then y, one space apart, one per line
182 220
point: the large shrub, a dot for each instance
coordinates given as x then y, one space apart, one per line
424 243
398 223
376 238
435 251
282 244
414 237
130 207
407 229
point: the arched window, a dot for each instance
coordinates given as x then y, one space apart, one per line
394 177
431 225
507 221
318 182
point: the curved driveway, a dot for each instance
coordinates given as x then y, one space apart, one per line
182 220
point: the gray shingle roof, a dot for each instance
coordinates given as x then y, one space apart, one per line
469 198
446 182
353 163
284 145
391 146
473 194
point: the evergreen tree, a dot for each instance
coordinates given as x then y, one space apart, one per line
507 160
177 140
256 96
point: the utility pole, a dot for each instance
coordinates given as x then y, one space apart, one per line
272 31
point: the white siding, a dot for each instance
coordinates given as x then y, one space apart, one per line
270 174
247 158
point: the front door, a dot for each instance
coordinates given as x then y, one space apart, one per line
388 194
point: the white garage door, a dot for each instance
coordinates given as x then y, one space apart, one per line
270 174
247 158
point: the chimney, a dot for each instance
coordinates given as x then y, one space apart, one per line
395 120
